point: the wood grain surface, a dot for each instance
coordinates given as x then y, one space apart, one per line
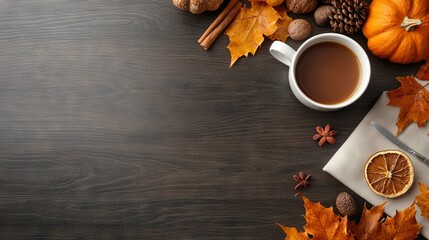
115 124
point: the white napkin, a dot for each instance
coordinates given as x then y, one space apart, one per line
348 162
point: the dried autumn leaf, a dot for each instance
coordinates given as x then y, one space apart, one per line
293 233
282 24
422 200
270 2
423 73
402 226
413 100
369 226
246 32
322 224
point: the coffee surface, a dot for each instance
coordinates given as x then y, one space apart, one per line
328 73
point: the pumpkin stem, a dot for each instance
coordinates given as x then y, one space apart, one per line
409 23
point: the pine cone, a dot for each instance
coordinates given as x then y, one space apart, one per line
348 16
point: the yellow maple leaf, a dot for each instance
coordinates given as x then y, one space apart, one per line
246 32
422 200
270 2
283 22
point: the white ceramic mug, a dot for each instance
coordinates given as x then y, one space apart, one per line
285 54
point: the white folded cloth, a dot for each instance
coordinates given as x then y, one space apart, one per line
347 165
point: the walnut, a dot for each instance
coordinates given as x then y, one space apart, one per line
346 204
197 6
301 6
321 15
299 29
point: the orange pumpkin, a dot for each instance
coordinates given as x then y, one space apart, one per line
398 30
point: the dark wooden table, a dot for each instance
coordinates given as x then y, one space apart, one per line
115 124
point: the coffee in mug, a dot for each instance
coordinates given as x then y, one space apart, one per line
328 72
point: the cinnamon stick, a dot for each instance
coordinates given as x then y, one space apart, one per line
219 19
211 37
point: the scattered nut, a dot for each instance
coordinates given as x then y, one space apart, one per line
301 6
299 29
321 15
346 204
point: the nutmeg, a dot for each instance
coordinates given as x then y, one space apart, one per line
299 29
346 204
301 6
321 15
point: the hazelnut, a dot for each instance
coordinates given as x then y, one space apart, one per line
321 15
301 6
299 29
346 204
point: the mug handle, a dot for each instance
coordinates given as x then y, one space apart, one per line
282 52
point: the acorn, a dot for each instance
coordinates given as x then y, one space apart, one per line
346 204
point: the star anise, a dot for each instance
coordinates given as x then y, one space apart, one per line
302 180
325 135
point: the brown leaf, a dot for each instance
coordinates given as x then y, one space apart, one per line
422 200
246 32
423 73
413 100
369 226
283 22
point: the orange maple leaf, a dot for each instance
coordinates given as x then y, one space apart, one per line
369 225
413 100
322 223
293 233
283 22
402 226
246 32
422 200
423 73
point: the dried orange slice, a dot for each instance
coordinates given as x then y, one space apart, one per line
389 173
